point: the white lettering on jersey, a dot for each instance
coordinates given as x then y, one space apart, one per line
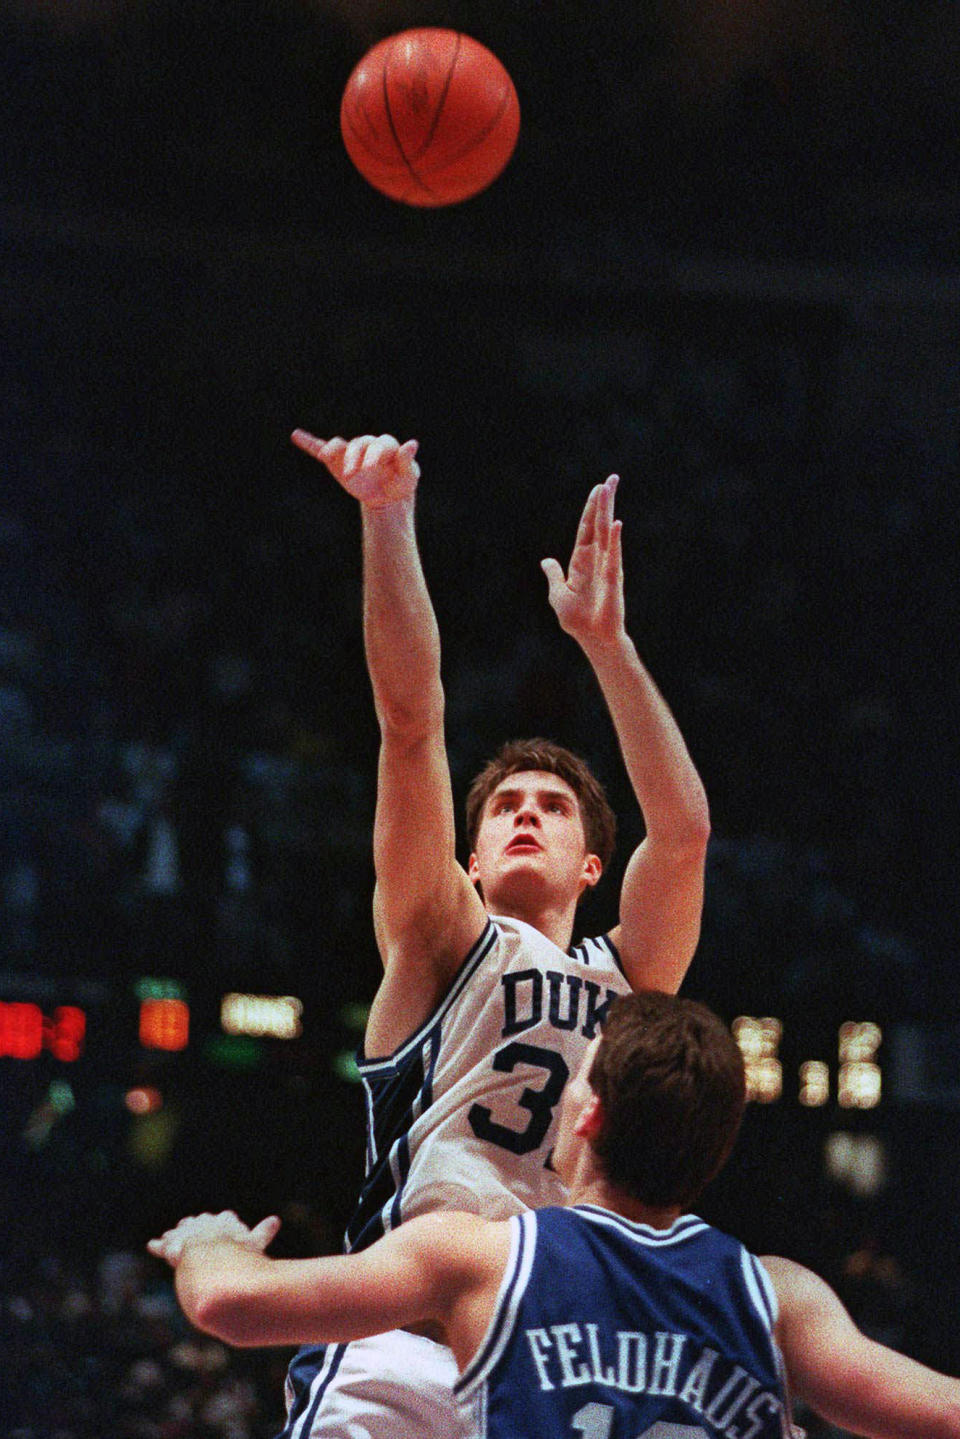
565 1336
599 1374
664 1368
651 1364
632 1379
770 1404
695 1387
722 1420
539 1341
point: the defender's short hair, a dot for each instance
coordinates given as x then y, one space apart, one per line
671 1079
599 822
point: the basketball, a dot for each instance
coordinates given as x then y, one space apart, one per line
429 117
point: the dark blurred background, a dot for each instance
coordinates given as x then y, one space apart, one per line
723 262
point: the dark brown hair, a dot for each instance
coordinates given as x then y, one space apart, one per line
671 1080
599 822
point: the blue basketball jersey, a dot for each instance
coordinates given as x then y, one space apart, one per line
608 1329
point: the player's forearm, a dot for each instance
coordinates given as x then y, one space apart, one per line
892 1398
247 1299
218 1287
664 779
401 638
851 1380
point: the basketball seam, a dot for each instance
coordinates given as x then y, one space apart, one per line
443 98
393 129
478 138
400 150
361 140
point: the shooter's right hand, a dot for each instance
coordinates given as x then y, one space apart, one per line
375 469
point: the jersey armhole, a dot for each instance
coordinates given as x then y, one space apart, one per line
605 939
512 1287
772 1299
475 957
588 946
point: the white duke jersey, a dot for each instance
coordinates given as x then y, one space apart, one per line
608 1329
462 1115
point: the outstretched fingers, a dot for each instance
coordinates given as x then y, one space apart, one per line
556 580
368 466
604 519
168 1246
585 530
265 1232
328 452
613 560
597 518
588 602
212 1228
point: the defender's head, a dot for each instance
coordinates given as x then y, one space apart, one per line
661 1094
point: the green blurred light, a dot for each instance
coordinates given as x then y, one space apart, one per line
149 987
354 1015
233 1051
344 1066
60 1097
151 1136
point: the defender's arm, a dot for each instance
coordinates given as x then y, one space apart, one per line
849 1379
439 1270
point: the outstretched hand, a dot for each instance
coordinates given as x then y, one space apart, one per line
210 1229
588 601
375 469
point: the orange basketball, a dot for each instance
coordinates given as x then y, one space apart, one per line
429 117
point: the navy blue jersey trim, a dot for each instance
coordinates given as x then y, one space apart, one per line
403 1161
434 1040
614 954
301 1416
478 952
684 1227
581 950
763 1297
393 1106
503 1314
392 1098
760 1289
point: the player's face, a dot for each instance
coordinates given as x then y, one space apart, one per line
531 839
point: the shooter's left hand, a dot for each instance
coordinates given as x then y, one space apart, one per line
588 601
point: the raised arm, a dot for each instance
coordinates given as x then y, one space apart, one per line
662 895
426 912
438 1271
851 1380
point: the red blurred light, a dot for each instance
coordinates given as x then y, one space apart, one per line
66 1035
21 1030
164 1024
